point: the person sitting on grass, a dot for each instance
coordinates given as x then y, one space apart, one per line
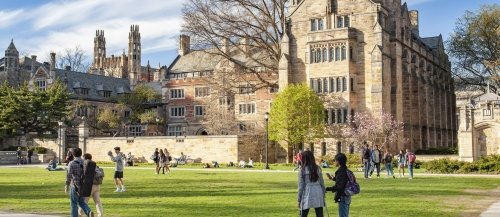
250 163
242 163
324 164
215 164
52 165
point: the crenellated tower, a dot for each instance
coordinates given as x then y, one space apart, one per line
134 54
99 51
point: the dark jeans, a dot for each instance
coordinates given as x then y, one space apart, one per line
319 212
29 159
376 166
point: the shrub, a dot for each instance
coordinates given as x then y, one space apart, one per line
487 164
40 150
353 160
444 165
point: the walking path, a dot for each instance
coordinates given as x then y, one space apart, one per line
4 214
493 211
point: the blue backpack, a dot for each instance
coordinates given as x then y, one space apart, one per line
352 187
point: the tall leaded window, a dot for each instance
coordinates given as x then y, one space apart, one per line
331 54
337 53
347 21
338 84
313 55
314 25
318 55
344 84
320 24
343 53
340 22
325 85
325 55
332 85
320 88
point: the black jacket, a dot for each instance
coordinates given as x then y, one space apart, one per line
340 183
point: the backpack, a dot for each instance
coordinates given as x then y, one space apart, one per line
366 154
412 158
388 158
87 179
99 176
352 187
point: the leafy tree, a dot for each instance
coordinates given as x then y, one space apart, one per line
475 47
297 115
23 110
108 120
138 100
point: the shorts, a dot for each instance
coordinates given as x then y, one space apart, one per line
118 174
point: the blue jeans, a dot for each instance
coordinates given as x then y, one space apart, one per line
344 203
388 168
410 170
366 164
75 201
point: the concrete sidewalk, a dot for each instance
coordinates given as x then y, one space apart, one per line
4 214
492 211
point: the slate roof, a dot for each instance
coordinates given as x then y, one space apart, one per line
96 84
12 46
432 42
2 60
195 61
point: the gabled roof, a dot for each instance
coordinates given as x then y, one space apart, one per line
433 42
12 46
195 61
95 83
487 97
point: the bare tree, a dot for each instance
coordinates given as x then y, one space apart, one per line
220 116
75 57
246 33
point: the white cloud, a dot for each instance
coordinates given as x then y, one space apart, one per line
58 25
8 18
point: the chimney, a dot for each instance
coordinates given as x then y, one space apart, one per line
67 68
33 62
52 61
414 22
225 45
184 45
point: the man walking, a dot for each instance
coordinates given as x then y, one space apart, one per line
74 182
30 154
118 159
19 154
410 161
366 160
376 158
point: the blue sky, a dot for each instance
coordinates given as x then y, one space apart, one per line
40 26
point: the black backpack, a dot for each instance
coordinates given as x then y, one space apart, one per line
87 179
366 154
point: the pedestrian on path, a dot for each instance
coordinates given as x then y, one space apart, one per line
376 158
163 160
311 192
156 158
30 154
118 159
73 182
341 180
96 188
19 154
366 160
401 163
169 158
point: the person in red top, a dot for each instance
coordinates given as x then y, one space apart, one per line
297 159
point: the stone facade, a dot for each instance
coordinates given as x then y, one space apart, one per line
479 126
369 54
13 69
126 66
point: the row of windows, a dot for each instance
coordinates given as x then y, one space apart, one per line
248 108
331 85
246 89
336 116
180 111
202 91
175 130
319 55
205 91
341 21
176 93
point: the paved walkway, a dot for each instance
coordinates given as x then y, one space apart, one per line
493 211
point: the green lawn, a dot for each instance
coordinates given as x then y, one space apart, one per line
226 193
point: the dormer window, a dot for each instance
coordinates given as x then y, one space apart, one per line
84 91
107 94
41 84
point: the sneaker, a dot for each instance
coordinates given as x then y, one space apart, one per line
91 214
410 178
123 190
117 190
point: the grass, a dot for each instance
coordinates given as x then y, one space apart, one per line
228 193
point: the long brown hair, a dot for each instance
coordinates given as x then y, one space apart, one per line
309 162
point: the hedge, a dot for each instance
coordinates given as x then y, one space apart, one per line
488 164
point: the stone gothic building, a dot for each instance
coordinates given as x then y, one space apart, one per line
13 69
125 65
369 56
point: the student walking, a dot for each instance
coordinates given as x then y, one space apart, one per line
388 163
297 159
376 158
19 154
341 180
96 187
366 160
410 161
30 154
118 159
163 160
74 182
311 192
156 158
401 163
169 158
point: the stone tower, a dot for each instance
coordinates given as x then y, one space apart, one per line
134 54
99 49
11 57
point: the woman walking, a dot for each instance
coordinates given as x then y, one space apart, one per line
401 163
388 163
167 156
311 192
156 158
163 160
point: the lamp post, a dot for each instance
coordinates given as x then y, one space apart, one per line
157 127
60 123
266 117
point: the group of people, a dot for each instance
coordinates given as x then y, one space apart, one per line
162 160
23 160
244 164
373 157
75 174
311 185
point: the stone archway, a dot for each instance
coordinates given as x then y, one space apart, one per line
487 138
201 132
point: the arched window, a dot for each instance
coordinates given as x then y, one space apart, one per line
325 55
337 54
343 52
331 54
